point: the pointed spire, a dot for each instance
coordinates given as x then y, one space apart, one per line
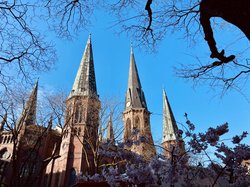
170 129
50 123
85 83
89 38
135 96
131 47
2 123
28 116
110 133
30 108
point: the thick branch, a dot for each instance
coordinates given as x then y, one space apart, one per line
149 10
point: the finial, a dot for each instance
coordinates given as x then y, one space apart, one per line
89 39
50 119
131 46
37 80
50 123
110 116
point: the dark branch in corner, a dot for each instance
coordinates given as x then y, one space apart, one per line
209 37
227 11
149 10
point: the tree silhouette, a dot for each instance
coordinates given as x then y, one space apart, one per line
25 50
150 26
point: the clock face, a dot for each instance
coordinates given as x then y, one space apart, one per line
128 104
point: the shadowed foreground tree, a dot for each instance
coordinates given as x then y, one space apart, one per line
224 167
25 51
109 131
29 145
150 21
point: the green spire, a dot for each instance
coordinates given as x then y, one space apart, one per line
170 129
85 83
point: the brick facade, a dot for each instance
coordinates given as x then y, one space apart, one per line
55 158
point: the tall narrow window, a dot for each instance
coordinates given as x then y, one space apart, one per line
136 128
76 113
137 123
68 114
79 113
8 141
5 139
128 129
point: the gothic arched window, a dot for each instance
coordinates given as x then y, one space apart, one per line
137 123
30 164
8 141
5 139
79 116
136 127
68 113
128 129
76 114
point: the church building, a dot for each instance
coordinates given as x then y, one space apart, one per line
54 158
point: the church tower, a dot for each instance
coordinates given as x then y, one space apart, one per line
136 116
110 137
28 116
171 137
80 132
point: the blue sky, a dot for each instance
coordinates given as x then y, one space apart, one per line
156 70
